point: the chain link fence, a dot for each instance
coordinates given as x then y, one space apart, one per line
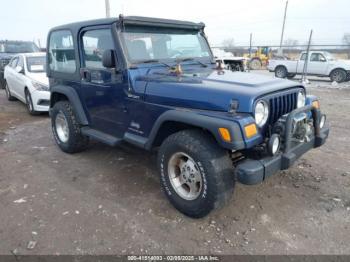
259 55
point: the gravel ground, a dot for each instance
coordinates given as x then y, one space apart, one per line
108 200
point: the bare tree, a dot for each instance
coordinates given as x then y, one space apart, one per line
228 43
290 42
346 41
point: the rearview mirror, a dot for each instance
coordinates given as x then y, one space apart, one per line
19 69
108 58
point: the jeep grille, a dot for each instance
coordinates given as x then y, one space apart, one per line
281 105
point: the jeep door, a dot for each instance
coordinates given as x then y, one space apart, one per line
102 89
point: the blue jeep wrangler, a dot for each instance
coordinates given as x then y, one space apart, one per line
154 83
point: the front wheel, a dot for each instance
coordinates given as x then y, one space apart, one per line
196 174
66 129
29 103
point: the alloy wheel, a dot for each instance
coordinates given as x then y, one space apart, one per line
185 176
61 126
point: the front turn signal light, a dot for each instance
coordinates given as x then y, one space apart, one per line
250 130
316 104
225 134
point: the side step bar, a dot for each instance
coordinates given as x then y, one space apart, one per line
100 136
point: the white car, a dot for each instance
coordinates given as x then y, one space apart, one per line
26 80
319 64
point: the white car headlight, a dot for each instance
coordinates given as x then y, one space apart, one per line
301 99
261 113
40 87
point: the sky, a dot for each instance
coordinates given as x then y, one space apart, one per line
225 19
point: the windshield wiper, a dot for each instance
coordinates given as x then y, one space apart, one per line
191 59
157 61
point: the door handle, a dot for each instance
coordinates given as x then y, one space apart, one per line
85 75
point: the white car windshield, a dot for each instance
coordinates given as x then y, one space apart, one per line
169 45
36 64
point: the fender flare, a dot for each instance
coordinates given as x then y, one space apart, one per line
73 99
210 123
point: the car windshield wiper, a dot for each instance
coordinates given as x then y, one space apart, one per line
191 59
157 61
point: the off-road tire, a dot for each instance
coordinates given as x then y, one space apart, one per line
76 141
8 93
215 168
29 103
281 72
338 75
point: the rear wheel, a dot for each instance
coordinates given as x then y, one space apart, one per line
291 76
8 93
338 75
281 72
66 129
196 174
29 103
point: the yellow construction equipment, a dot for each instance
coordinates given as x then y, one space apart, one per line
259 58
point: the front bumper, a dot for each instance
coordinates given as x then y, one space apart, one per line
41 100
254 171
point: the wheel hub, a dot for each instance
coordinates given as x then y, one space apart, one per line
185 176
61 126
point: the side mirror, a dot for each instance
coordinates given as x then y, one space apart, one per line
19 69
108 58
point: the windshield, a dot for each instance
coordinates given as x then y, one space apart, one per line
18 47
36 64
164 45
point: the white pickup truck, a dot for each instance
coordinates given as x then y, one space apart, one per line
320 64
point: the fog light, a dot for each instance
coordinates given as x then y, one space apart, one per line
322 121
274 144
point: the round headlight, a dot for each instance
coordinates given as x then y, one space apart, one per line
301 99
261 113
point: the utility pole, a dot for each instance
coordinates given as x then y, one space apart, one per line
108 9
306 61
250 50
284 23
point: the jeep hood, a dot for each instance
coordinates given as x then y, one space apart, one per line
209 89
